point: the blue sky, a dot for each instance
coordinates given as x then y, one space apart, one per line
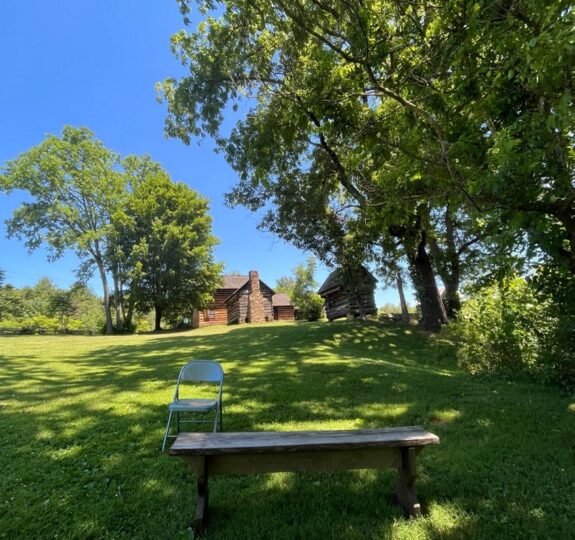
95 64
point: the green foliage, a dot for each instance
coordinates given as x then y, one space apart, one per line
554 287
122 217
496 329
515 328
40 324
85 310
141 324
164 242
313 306
301 288
388 307
75 187
25 302
77 309
9 326
47 309
11 303
450 122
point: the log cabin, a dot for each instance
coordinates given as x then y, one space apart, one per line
244 299
283 307
348 293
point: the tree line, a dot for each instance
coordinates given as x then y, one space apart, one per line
148 238
45 307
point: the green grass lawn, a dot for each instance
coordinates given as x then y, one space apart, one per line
82 419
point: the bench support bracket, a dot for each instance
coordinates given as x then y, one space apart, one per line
404 493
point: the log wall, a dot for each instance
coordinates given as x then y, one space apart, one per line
238 308
267 293
218 308
283 313
339 303
336 305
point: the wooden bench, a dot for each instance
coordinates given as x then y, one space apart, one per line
291 451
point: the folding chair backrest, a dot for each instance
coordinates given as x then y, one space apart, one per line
196 374
202 371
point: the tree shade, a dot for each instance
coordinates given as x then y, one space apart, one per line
370 118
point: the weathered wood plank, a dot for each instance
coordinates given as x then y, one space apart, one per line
293 441
312 460
283 313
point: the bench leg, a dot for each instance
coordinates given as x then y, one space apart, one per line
404 493
201 519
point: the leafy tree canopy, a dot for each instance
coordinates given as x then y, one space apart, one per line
393 108
164 234
122 217
75 186
301 288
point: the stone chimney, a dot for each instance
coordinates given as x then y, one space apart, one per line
256 311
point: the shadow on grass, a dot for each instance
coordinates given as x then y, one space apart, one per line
86 452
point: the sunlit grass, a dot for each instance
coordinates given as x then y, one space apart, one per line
82 420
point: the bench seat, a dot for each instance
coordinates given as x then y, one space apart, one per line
292 451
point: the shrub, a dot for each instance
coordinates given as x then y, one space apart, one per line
74 325
40 324
313 307
141 324
558 342
9 326
389 308
514 328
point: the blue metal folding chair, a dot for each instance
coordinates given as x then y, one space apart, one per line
197 372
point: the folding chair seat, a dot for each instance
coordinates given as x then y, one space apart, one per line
197 372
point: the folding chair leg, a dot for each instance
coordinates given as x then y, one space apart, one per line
221 418
218 422
167 431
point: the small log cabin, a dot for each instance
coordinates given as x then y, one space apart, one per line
244 299
349 293
283 307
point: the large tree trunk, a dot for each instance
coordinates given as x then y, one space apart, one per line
106 291
432 309
118 300
451 298
358 297
129 314
158 324
448 265
354 292
567 218
402 302
451 280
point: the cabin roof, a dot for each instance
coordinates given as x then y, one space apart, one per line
337 279
234 282
281 299
245 286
